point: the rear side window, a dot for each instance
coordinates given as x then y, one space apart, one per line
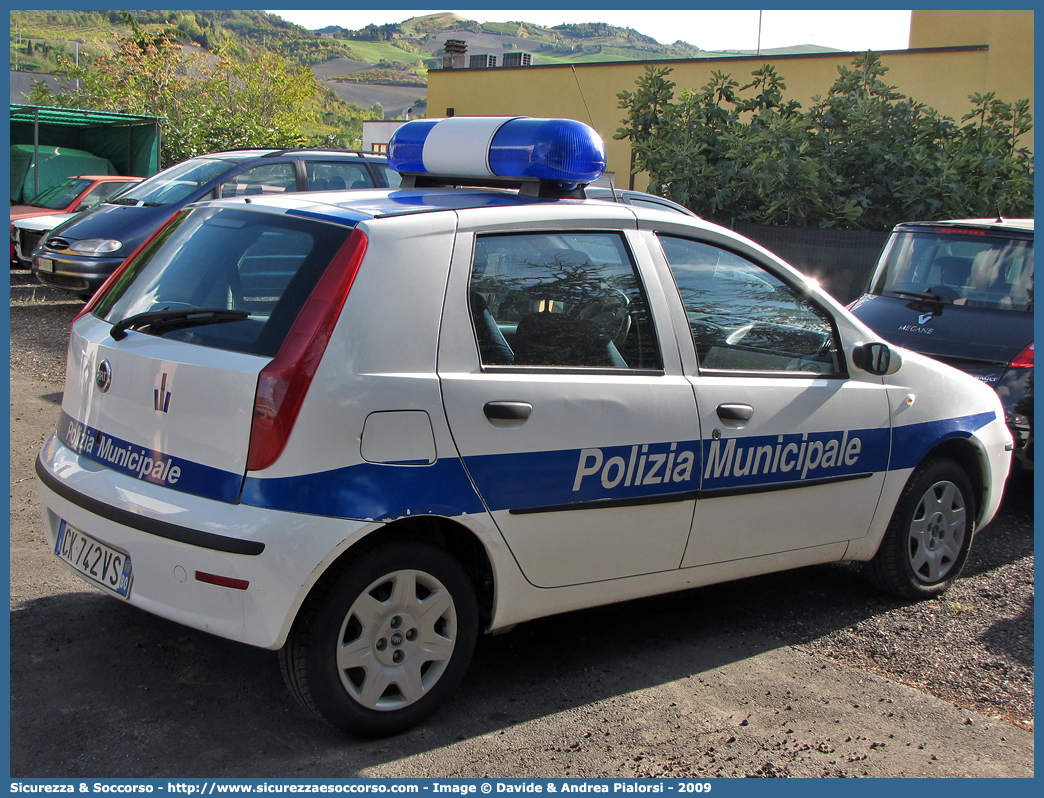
743 318
333 175
99 193
388 175
261 266
958 267
561 300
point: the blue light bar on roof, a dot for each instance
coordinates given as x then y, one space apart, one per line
559 150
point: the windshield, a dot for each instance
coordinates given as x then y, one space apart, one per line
224 278
61 194
960 267
176 183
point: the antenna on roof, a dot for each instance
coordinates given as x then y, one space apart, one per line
612 183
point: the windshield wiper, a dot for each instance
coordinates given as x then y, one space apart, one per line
157 320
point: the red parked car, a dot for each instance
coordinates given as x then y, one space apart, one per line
71 195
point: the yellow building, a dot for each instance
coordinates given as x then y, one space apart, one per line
952 55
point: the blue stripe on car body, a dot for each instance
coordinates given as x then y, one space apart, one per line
534 481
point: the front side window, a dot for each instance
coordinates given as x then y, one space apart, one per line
97 195
560 300
744 318
247 274
272 178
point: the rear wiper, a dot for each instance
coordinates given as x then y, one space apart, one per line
924 296
157 320
123 201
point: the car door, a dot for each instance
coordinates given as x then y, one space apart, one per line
575 424
795 445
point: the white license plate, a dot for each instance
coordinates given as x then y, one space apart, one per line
100 563
45 264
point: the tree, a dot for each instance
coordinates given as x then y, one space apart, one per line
208 102
864 156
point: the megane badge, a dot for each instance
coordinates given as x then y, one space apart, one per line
103 377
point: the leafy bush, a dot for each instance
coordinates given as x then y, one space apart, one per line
208 103
864 156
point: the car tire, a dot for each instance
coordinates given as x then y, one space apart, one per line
930 534
383 641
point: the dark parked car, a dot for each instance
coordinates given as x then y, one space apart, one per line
80 255
639 199
962 292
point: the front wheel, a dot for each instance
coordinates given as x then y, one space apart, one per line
930 534
384 641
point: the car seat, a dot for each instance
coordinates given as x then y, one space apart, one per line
557 339
493 347
953 271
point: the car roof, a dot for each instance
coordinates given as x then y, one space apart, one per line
351 207
245 155
997 223
109 178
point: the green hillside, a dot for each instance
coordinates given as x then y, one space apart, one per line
393 55
37 36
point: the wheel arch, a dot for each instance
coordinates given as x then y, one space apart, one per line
972 460
443 533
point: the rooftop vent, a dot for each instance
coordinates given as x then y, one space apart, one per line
518 59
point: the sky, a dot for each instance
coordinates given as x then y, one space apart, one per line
709 30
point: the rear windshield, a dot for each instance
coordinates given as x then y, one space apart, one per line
959 267
251 269
176 183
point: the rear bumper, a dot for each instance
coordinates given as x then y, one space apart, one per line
171 537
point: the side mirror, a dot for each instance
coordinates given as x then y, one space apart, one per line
877 358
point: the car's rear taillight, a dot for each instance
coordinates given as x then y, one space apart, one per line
1024 359
283 383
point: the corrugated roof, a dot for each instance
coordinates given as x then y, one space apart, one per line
76 117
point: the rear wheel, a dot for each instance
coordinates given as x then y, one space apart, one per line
930 534
384 641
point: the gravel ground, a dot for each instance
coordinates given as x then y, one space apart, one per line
972 648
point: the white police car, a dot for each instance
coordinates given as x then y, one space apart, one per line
362 428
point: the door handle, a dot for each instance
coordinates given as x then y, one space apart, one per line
735 412
507 411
